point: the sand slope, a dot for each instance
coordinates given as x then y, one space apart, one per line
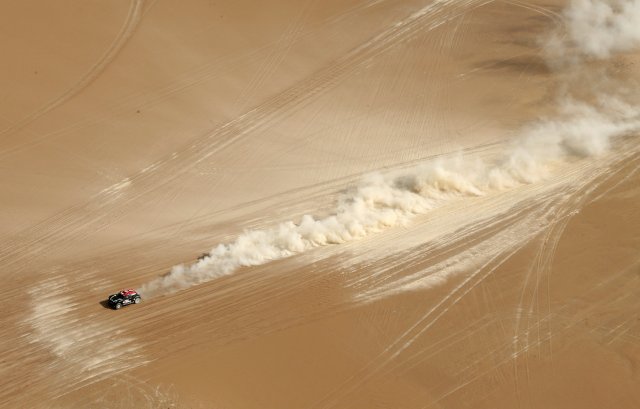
137 135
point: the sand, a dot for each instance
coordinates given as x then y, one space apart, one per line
135 136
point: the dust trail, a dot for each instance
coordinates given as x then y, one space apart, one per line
60 350
594 29
381 201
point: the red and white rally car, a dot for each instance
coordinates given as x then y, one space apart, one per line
124 297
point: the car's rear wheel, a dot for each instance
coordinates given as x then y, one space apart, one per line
137 300
118 306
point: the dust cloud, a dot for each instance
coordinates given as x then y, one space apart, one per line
578 129
597 29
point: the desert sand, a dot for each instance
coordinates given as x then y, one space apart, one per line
324 204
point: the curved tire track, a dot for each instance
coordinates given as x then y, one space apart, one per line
109 205
131 22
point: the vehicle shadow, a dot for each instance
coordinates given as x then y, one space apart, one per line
105 304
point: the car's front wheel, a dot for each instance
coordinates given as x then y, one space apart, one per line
118 306
137 300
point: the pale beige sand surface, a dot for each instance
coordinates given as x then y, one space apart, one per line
136 135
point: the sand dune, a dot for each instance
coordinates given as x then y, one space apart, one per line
398 204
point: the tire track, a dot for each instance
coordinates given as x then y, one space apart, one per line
104 208
388 360
391 352
130 24
542 263
277 55
192 78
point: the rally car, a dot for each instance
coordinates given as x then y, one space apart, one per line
124 297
